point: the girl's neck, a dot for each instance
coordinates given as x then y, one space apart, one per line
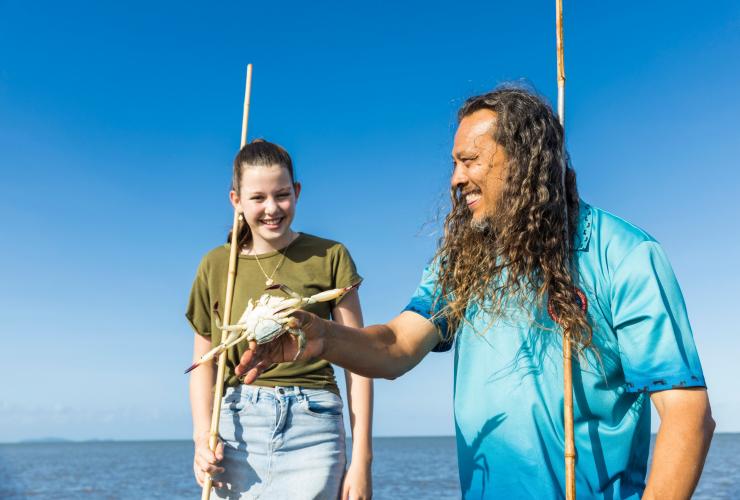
259 246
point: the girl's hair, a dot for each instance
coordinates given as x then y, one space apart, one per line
258 153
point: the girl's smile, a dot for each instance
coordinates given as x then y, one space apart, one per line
267 199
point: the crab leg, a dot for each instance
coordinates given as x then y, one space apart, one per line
297 332
313 299
230 341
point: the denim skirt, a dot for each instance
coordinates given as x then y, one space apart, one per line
281 442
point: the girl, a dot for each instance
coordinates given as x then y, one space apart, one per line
283 436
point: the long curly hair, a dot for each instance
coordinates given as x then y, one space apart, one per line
522 254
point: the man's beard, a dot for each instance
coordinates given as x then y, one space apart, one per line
482 224
490 222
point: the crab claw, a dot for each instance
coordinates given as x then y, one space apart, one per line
330 294
285 289
193 367
208 356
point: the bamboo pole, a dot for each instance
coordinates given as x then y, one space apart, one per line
561 62
570 445
221 370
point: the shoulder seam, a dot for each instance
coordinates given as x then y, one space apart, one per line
631 251
638 229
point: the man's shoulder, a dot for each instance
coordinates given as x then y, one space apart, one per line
613 238
609 228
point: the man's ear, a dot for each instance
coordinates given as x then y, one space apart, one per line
297 189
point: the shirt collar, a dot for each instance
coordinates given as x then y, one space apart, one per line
585 221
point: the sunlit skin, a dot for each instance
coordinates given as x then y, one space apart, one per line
480 163
390 350
267 199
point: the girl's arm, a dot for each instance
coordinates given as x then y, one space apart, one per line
358 480
202 380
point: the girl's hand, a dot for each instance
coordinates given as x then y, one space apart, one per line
206 461
357 483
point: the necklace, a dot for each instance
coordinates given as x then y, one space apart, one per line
268 279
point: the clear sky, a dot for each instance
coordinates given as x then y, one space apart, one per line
119 122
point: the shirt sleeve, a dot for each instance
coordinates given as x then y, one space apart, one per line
344 270
426 302
656 344
198 312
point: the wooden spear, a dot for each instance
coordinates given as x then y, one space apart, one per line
570 445
221 370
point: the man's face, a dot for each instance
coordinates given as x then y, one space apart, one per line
480 164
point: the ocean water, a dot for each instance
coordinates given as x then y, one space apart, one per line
404 468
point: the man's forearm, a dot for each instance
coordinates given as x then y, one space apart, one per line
378 351
680 450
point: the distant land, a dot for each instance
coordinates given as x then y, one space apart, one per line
59 440
53 440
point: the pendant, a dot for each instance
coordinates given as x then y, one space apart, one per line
269 282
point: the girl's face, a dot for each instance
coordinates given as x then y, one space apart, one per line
267 198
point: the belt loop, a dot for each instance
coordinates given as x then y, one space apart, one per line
299 395
255 394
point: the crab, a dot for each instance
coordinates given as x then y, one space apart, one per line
267 319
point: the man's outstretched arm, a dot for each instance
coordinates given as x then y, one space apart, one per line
377 351
686 428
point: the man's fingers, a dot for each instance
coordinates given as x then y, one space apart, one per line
247 358
294 322
220 451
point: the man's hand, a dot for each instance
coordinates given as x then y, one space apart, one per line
260 357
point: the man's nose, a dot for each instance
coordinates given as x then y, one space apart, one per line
459 178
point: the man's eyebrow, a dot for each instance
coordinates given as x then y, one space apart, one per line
467 153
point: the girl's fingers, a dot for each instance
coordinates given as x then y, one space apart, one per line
206 468
206 461
200 478
205 457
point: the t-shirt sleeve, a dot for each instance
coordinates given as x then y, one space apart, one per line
198 312
656 344
343 270
426 302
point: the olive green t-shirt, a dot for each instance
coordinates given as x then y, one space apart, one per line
311 265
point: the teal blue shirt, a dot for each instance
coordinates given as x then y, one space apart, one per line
509 373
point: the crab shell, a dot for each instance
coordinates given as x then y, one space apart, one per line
260 320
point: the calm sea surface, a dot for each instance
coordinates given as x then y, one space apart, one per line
404 468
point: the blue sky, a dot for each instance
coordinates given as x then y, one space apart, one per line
118 124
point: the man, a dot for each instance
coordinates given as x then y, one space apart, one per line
503 274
